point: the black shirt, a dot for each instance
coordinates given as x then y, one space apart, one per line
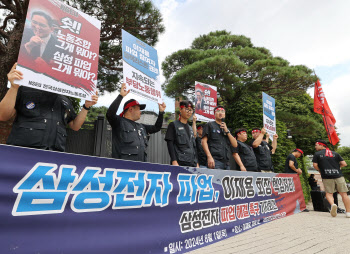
247 156
312 182
287 169
263 155
202 157
329 166
170 139
122 147
41 119
170 133
221 152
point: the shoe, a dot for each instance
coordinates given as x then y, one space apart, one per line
347 215
340 210
334 210
306 210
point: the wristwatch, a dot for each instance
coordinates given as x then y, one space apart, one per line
86 108
227 132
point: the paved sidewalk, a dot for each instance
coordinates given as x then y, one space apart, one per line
306 233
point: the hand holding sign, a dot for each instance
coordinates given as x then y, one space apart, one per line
93 101
123 91
14 75
161 106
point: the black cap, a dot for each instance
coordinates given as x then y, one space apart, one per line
131 103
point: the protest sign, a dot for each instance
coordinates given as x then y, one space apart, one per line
269 117
64 203
59 50
140 68
205 101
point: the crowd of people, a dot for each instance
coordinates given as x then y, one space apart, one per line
42 117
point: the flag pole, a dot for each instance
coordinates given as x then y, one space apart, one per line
325 120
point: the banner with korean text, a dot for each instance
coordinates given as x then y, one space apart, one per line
205 101
269 117
59 49
55 202
140 68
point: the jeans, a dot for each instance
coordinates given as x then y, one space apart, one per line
221 165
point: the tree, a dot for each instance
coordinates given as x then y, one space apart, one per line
234 66
344 152
139 17
241 72
94 112
306 126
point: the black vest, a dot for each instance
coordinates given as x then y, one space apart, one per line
41 120
263 156
130 141
248 157
219 144
185 147
202 157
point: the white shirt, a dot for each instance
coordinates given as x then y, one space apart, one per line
44 44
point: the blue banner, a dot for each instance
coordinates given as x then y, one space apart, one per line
269 106
140 55
63 203
269 117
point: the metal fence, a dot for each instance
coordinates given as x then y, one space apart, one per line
96 139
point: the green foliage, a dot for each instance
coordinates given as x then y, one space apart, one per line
305 125
344 152
234 66
167 116
94 112
304 179
241 72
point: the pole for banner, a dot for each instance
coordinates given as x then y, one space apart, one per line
325 120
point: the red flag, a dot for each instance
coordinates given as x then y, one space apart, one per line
332 134
321 107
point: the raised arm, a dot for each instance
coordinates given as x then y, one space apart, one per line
7 105
113 108
80 119
158 125
258 140
274 143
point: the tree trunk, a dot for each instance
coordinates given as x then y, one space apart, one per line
5 130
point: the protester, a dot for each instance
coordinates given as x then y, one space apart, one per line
198 132
243 153
328 163
291 165
41 117
181 140
129 138
312 182
217 141
263 150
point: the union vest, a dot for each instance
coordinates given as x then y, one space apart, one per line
41 120
263 156
219 144
185 147
130 141
247 157
202 157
